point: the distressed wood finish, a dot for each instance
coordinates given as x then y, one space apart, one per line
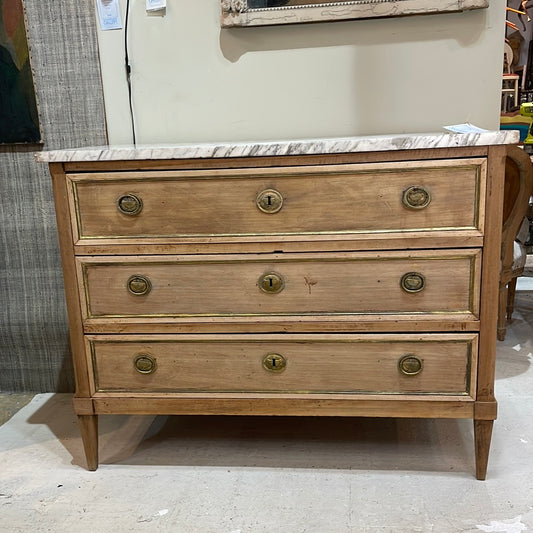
482 436
293 243
229 286
342 242
81 371
89 434
283 405
221 204
286 324
363 363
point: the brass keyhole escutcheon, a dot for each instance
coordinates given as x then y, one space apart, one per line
274 362
271 283
413 282
144 363
139 285
129 204
269 201
416 197
410 365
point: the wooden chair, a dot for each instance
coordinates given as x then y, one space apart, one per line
510 80
518 190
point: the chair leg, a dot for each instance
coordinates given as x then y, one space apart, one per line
502 304
510 297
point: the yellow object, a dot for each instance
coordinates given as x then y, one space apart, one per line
526 110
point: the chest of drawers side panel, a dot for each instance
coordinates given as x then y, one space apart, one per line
491 271
66 240
485 409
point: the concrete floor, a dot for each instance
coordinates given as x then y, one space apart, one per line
261 475
12 402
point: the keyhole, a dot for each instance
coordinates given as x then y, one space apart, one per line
269 201
274 362
271 283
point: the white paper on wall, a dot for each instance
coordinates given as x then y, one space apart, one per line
109 14
155 5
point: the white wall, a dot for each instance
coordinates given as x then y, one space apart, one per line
193 81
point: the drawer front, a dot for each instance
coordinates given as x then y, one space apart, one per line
423 282
383 364
336 199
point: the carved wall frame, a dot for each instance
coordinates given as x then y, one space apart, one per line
237 12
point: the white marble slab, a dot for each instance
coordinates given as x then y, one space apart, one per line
378 143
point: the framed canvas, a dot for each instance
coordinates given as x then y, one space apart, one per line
268 12
19 122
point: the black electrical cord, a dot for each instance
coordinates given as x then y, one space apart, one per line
128 71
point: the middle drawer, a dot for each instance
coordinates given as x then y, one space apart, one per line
424 282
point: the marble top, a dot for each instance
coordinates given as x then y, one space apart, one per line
375 143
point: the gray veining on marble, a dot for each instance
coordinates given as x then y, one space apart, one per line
378 143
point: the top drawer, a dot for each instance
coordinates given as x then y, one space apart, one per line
355 199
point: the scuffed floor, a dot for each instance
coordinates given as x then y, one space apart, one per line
261 475
11 402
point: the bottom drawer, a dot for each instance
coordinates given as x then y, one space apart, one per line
375 364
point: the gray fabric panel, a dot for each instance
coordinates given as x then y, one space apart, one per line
34 348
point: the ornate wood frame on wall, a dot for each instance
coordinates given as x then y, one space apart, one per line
238 12
19 118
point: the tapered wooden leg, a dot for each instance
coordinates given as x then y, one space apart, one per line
88 425
502 305
510 297
482 436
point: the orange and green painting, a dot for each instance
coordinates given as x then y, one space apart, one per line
19 122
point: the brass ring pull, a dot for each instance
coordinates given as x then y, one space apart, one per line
416 197
413 282
274 362
269 201
144 363
410 365
129 204
139 285
271 283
